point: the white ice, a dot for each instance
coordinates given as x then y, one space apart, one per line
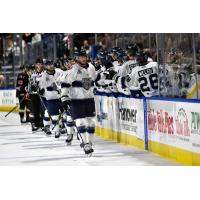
19 146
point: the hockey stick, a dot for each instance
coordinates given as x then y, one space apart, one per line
15 106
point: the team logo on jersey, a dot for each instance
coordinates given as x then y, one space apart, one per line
87 83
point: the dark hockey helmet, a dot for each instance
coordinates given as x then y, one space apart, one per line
39 60
81 52
142 58
101 55
49 62
115 49
133 47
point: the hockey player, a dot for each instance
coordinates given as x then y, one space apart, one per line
36 107
51 92
126 69
101 82
114 52
143 79
121 58
80 89
21 94
131 63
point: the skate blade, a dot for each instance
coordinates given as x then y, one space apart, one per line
68 143
89 155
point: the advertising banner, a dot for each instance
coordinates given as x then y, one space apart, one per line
131 116
174 123
7 97
122 114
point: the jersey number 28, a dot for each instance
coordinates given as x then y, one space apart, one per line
145 82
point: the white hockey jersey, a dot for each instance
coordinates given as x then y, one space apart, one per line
50 83
144 78
80 82
35 82
127 67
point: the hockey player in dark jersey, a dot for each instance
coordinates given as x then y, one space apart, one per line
21 92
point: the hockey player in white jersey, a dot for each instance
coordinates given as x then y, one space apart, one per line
131 63
48 80
103 64
80 81
126 69
143 79
114 52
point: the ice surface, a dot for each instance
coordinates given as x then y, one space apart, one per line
19 146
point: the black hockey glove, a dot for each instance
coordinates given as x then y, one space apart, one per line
41 92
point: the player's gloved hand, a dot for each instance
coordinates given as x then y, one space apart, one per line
128 78
41 92
66 100
94 91
106 74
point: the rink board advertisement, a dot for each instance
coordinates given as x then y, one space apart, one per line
122 114
173 126
174 129
131 116
120 119
7 99
174 123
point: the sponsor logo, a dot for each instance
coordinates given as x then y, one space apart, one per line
182 123
128 118
127 114
160 121
195 123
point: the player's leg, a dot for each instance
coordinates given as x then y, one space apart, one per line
47 123
78 114
22 106
53 109
69 124
90 118
27 109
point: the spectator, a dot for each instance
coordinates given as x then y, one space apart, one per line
87 47
2 78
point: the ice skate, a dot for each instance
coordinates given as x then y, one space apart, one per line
57 134
63 131
35 128
88 149
47 130
23 121
69 139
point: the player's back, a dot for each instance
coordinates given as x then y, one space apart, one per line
147 78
